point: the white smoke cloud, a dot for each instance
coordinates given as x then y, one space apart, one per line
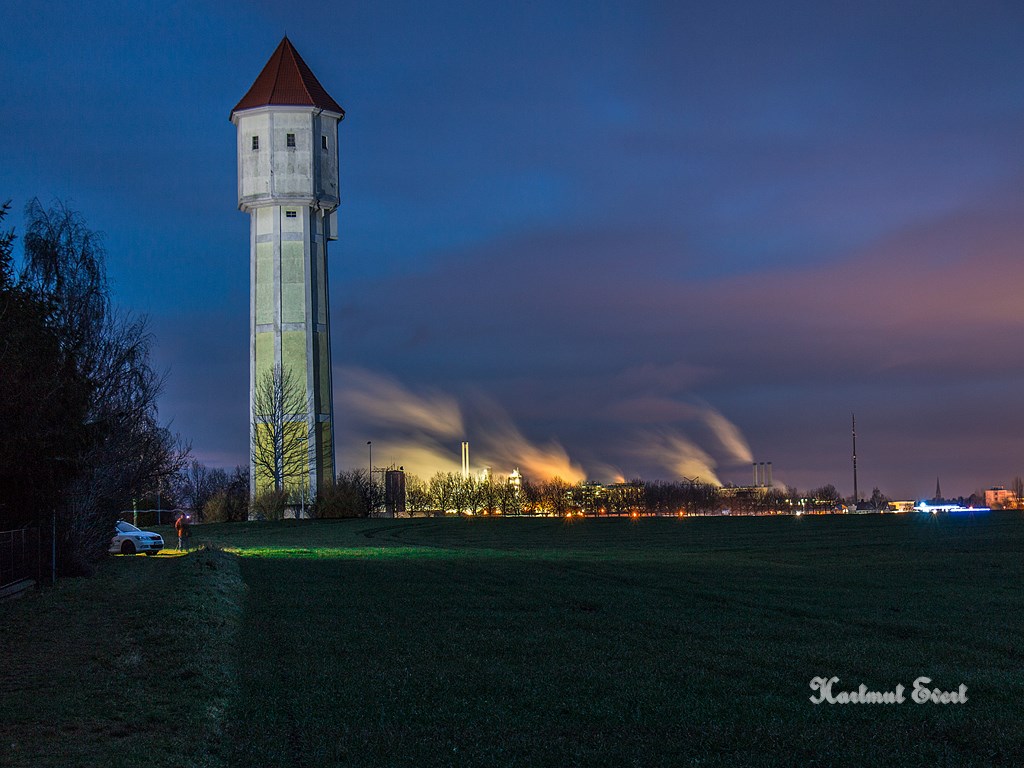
728 436
383 402
676 453
605 473
504 445
420 456
671 448
422 430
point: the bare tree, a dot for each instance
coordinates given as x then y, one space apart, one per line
352 494
417 496
43 399
529 498
489 494
229 496
127 452
444 492
627 498
467 497
196 484
66 262
116 450
509 501
825 498
555 496
878 499
281 449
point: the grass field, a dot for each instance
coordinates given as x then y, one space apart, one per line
528 642
110 671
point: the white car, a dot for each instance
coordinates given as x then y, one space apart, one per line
129 540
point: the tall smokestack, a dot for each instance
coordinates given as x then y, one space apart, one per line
465 459
755 474
769 482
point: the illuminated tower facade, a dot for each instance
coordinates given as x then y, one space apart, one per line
287 129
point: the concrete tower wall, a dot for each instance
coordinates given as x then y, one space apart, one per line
275 171
288 183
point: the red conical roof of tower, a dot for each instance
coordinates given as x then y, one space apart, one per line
287 80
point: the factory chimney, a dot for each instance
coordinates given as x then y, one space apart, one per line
465 459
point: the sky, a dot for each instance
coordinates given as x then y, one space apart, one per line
595 239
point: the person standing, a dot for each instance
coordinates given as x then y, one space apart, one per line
181 525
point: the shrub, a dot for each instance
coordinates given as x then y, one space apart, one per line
269 505
341 499
226 506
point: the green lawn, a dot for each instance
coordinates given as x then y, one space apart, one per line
543 642
132 667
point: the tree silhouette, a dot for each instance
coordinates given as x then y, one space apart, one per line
281 449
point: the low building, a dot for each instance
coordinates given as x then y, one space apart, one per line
901 506
998 497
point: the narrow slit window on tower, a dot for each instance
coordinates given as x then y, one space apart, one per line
290 139
255 142
323 142
290 214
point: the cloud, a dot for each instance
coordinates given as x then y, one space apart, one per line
677 453
422 431
913 329
671 448
417 430
418 455
503 445
383 402
728 436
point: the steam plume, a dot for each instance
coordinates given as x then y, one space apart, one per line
421 431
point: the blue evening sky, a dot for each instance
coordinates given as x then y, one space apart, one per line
604 239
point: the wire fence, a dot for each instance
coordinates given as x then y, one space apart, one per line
20 556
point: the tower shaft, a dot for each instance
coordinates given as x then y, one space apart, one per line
290 346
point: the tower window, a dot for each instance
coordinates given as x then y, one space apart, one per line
323 142
290 214
290 139
255 142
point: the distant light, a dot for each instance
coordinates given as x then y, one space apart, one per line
924 506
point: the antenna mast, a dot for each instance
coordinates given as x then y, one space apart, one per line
856 497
